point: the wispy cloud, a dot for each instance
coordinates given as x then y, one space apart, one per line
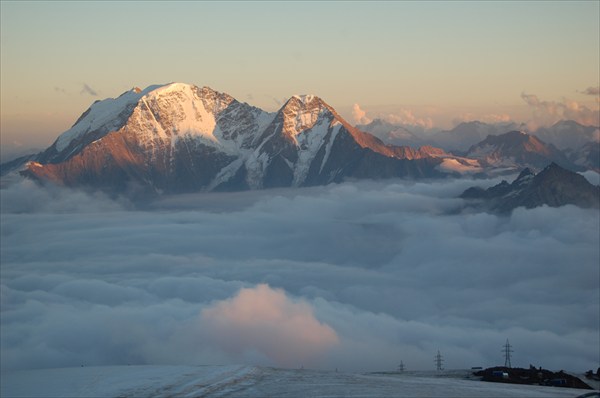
591 91
545 113
277 101
408 118
88 90
486 118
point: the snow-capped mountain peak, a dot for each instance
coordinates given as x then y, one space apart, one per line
166 112
102 115
304 97
177 110
302 112
179 137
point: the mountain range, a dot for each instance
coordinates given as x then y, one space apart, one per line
466 134
182 138
568 134
564 135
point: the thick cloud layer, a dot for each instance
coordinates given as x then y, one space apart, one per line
354 276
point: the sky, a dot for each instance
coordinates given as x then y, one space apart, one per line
355 276
423 63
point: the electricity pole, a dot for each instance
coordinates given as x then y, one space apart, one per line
438 361
507 350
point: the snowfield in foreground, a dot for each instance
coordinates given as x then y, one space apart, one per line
251 381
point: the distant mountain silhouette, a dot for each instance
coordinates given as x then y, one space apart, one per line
553 186
517 150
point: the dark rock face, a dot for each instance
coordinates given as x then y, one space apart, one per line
180 138
554 186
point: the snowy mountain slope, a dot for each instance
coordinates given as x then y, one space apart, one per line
248 381
166 113
182 138
102 116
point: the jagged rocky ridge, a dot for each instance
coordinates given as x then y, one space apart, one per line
183 138
553 186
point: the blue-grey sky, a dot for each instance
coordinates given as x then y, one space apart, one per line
433 61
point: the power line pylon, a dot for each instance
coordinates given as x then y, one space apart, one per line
438 361
507 350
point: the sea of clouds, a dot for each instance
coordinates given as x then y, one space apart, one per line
354 276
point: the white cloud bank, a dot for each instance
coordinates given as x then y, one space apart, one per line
355 276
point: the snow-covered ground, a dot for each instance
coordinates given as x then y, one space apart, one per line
251 381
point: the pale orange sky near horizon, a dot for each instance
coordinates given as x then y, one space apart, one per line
422 63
